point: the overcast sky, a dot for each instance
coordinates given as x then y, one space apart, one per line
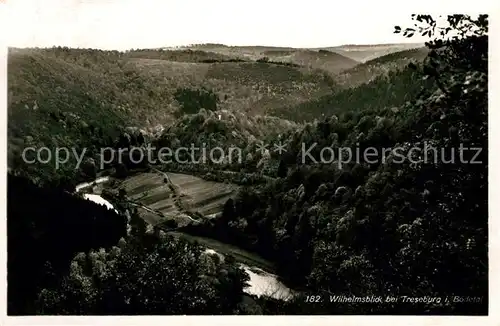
125 24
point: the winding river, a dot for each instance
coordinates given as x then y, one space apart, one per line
261 282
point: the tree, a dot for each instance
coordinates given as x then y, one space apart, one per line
170 223
228 212
138 225
47 233
122 193
165 277
89 168
121 171
282 169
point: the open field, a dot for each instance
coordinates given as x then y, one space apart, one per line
192 194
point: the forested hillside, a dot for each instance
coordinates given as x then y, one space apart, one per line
410 220
86 98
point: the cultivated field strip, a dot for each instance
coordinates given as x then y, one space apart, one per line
194 194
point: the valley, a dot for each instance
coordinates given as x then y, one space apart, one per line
262 281
212 234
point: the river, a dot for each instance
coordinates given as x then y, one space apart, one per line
261 282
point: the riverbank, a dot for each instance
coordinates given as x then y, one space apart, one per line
263 281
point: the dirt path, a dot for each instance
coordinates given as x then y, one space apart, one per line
175 189
133 203
159 213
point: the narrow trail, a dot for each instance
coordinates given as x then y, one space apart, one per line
133 203
265 177
154 211
177 195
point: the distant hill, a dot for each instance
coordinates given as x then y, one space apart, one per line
356 52
64 96
365 53
383 92
328 61
251 87
71 97
186 55
369 70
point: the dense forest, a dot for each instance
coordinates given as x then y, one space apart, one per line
400 227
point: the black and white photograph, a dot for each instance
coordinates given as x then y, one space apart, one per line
192 157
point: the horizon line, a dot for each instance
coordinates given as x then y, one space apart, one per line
221 45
